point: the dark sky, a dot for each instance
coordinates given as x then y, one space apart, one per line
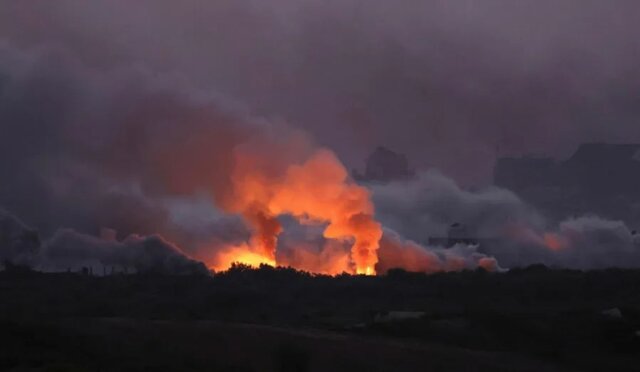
449 83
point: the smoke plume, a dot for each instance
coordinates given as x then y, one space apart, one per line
136 144
87 149
584 243
70 250
18 243
428 205
453 84
396 252
316 191
127 115
506 228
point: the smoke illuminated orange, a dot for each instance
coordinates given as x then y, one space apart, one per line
240 254
316 191
554 241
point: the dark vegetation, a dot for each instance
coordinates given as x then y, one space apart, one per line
283 320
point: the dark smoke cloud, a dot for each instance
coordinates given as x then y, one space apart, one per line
18 243
303 246
111 113
451 83
70 250
396 252
428 205
507 229
583 243
85 149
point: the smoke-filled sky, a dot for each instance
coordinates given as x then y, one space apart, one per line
452 84
207 122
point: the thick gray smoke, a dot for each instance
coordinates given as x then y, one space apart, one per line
86 149
73 251
428 205
452 83
111 114
586 242
396 252
18 243
303 246
68 249
504 226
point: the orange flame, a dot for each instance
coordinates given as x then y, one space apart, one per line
318 191
240 254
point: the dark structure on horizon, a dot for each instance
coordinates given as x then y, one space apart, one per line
385 165
458 233
598 178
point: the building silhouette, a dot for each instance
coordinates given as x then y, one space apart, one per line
384 165
598 178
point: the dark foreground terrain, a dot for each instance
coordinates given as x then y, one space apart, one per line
269 319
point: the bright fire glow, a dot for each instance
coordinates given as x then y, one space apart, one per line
240 254
316 191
